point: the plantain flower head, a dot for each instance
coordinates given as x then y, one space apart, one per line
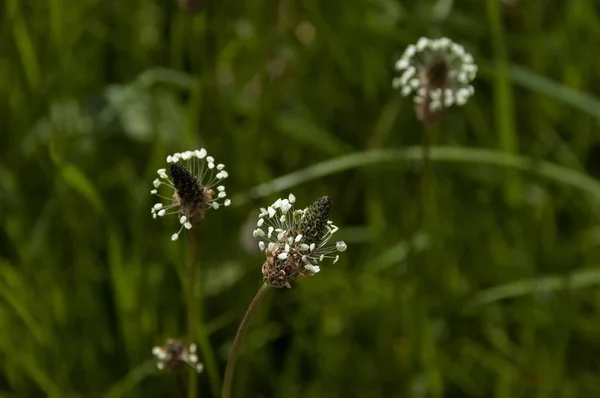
175 354
295 242
438 72
194 179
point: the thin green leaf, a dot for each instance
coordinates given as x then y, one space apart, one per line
548 170
80 183
542 284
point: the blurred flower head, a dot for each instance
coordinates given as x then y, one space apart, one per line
191 176
295 241
175 354
438 72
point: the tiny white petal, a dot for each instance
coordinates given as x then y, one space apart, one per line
336 259
304 247
199 367
170 159
183 219
227 202
192 348
210 159
158 206
260 222
292 198
202 153
193 358
188 225
221 188
298 238
285 206
282 256
156 183
160 365
211 165
401 64
222 194
154 192
271 211
174 237
162 212
422 43
341 246
215 205
270 246
220 166
261 246
312 268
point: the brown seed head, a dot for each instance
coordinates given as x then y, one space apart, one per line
279 272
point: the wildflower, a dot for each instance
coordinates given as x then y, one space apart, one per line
191 175
438 72
295 241
175 354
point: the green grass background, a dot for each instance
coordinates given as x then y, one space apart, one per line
495 294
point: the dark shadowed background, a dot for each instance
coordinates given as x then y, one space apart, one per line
493 294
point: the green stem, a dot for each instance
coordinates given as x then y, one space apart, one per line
237 342
192 311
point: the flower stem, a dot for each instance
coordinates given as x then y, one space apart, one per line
237 342
192 310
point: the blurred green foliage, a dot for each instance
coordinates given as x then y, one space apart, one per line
494 294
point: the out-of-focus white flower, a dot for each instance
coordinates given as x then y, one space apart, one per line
174 354
437 71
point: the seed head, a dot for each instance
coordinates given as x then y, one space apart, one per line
312 224
191 176
175 354
296 240
439 73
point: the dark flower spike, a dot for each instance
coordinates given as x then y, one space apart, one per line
296 240
191 176
313 224
438 71
175 354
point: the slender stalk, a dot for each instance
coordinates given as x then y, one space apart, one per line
237 342
422 180
192 309
180 385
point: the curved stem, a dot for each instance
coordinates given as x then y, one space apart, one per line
192 311
237 342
